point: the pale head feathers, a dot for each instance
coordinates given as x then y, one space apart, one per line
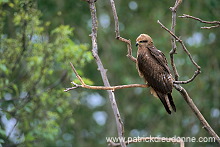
144 39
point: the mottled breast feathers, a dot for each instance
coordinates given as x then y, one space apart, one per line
153 66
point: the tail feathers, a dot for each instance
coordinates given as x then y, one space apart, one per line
171 102
167 101
162 99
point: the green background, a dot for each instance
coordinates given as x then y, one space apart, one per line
39 39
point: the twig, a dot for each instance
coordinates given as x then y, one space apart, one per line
117 33
196 111
119 123
202 21
198 71
151 139
173 42
77 75
190 80
217 23
129 54
183 91
113 88
177 3
216 26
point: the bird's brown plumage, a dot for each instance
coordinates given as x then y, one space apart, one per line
152 66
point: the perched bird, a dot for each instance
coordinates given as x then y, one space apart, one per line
152 66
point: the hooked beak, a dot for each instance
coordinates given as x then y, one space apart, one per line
137 43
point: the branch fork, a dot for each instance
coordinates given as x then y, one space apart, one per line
215 23
113 88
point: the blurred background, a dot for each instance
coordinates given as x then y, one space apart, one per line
38 40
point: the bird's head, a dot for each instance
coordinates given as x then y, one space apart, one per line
144 40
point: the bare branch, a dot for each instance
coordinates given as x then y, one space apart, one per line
190 80
83 85
177 3
202 21
77 75
216 26
113 88
173 42
216 23
129 55
119 123
185 94
117 32
187 52
196 111
153 139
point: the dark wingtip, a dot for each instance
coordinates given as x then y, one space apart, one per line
162 99
169 112
171 102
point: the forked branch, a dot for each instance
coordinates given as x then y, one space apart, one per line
184 92
129 54
198 71
113 88
119 123
173 42
177 3
215 23
117 32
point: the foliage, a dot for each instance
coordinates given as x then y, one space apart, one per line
34 71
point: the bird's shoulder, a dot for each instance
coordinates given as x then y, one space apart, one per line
159 56
154 51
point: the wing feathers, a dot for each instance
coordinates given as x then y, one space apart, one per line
160 57
163 100
171 102
167 101
152 65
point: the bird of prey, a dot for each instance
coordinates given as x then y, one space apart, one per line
152 66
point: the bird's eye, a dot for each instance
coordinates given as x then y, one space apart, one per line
144 41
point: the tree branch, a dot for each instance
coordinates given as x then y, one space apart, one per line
153 139
216 23
177 3
198 71
119 123
113 88
190 80
196 111
129 54
173 42
117 32
184 93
